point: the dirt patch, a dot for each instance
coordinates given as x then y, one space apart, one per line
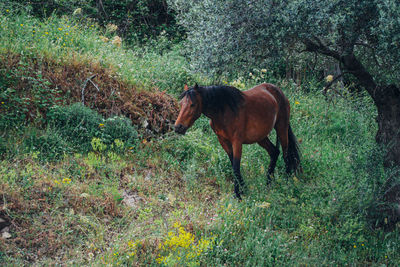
96 86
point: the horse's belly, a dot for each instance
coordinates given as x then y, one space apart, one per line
258 129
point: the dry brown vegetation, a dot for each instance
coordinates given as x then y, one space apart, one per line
98 87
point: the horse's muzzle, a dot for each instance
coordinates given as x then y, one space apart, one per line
180 129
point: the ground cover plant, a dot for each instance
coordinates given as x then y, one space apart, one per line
92 184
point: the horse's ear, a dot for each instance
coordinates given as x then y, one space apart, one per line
196 86
186 87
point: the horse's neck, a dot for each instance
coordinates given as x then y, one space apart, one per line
209 113
219 118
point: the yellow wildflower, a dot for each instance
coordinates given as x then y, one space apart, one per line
7 10
46 33
66 181
60 29
22 25
354 246
296 102
101 125
160 260
329 78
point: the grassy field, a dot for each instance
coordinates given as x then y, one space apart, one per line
80 187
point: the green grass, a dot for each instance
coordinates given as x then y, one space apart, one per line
68 39
74 211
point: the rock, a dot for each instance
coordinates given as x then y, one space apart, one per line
145 123
5 234
148 176
130 199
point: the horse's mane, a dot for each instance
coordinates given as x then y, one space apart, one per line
216 97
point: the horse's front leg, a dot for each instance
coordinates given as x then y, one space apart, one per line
238 182
227 146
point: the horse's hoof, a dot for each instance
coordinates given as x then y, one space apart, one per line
237 196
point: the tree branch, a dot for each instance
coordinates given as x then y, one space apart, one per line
319 47
372 50
85 84
350 63
333 81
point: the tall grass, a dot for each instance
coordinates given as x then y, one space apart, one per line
67 38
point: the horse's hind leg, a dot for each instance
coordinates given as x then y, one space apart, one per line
273 152
282 128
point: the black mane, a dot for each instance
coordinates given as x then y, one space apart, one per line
216 97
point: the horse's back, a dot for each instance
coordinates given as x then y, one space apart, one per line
270 89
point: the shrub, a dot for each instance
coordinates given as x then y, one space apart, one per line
79 124
3 147
46 146
76 123
119 128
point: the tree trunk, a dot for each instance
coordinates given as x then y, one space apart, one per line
387 102
388 105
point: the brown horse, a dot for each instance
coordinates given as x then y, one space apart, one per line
239 118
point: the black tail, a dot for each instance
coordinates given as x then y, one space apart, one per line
293 156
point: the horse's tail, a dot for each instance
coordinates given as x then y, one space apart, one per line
293 153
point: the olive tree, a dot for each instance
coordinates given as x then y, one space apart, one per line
363 36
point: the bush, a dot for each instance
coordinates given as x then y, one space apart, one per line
79 124
46 146
120 128
76 123
3 147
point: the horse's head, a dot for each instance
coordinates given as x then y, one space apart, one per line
191 108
